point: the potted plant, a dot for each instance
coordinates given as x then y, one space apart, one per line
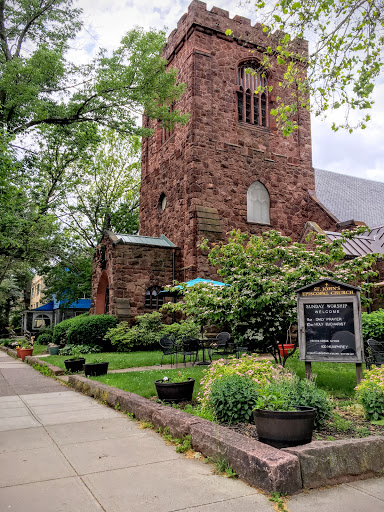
177 389
75 363
25 350
284 413
100 367
53 349
285 348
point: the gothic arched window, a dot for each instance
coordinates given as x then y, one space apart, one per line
258 203
152 298
252 105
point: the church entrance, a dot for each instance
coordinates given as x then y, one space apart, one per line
102 297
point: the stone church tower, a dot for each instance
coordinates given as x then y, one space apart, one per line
228 167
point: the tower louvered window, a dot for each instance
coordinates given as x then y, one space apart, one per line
252 105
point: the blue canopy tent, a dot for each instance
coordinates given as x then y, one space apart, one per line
193 282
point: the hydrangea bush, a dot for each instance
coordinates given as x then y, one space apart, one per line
370 393
259 372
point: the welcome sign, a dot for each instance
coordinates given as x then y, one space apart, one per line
329 321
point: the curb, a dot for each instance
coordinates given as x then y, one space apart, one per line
9 351
257 464
289 470
55 370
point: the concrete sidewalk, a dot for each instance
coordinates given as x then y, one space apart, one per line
61 451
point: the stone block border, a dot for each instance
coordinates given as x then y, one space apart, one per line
55 370
289 471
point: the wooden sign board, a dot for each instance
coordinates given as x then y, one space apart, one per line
329 323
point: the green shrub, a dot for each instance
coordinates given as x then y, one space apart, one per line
248 366
61 329
68 350
233 398
181 329
147 332
370 393
288 391
373 325
90 330
45 336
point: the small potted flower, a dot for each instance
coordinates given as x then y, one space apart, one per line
100 367
75 363
25 350
176 389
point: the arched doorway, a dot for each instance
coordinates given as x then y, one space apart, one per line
102 296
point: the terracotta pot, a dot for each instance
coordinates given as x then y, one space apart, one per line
285 428
284 349
175 391
24 352
18 351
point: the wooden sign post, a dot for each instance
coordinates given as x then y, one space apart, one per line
329 324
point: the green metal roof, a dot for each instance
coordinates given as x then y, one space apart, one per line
161 241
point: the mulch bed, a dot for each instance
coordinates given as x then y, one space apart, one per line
354 426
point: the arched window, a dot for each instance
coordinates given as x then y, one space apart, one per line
152 298
41 321
251 105
258 203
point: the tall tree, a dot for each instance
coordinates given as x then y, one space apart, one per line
346 56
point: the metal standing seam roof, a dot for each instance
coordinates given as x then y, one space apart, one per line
349 197
369 243
161 241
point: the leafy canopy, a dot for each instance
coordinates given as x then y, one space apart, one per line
346 40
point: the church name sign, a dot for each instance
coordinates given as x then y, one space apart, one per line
329 322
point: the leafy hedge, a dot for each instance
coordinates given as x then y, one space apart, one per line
90 330
61 329
373 325
147 332
45 336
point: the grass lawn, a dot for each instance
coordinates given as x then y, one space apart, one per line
142 383
121 360
338 379
39 349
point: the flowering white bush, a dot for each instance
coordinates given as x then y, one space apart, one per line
262 274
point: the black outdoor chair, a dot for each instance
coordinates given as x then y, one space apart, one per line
167 344
190 347
374 353
221 343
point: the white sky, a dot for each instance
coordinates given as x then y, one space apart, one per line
106 21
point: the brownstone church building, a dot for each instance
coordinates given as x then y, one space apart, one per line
228 167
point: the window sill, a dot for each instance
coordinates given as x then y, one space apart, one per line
255 127
259 224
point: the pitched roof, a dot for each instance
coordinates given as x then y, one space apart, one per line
161 241
368 243
54 304
349 197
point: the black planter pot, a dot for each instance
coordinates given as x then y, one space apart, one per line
285 428
74 365
175 392
95 369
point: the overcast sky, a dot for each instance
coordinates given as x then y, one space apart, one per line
359 154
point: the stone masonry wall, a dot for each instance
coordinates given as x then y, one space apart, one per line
213 160
130 270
